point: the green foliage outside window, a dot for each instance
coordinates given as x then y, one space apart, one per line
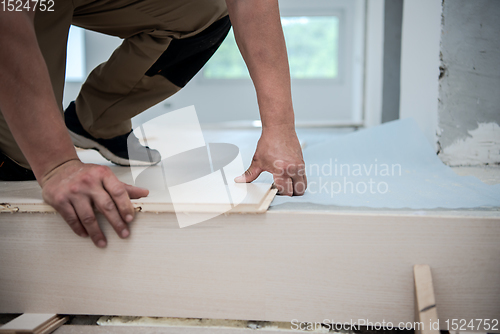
312 44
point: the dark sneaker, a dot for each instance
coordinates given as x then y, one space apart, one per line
115 149
12 171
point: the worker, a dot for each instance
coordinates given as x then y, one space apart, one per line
165 43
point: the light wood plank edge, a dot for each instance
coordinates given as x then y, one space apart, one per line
267 200
201 208
155 207
6 207
26 208
425 301
161 208
140 207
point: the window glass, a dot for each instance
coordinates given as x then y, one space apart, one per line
312 44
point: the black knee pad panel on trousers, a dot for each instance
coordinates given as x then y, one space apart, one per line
185 57
11 171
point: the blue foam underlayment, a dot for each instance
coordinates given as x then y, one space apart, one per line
341 171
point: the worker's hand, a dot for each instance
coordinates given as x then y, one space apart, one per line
74 188
279 153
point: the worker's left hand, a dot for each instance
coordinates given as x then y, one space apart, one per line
279 153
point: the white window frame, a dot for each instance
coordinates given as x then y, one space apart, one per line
351 54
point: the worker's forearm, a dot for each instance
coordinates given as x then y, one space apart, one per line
27 99
259 35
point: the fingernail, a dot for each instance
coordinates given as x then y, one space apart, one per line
239 179
129 218
125 233
83 235
101 244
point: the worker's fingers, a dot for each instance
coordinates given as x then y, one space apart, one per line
74 187
299 181
119 195
135 192
284 185
301 188
293 172
250 175
87 218
107 207
299 185
68 213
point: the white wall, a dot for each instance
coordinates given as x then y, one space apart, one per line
420 64
374 62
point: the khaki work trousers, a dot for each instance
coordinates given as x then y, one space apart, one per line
131 80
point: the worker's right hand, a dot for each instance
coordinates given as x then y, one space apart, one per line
74 188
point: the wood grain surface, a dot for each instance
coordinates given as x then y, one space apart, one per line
276 266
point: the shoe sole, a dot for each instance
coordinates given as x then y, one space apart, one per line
85 143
